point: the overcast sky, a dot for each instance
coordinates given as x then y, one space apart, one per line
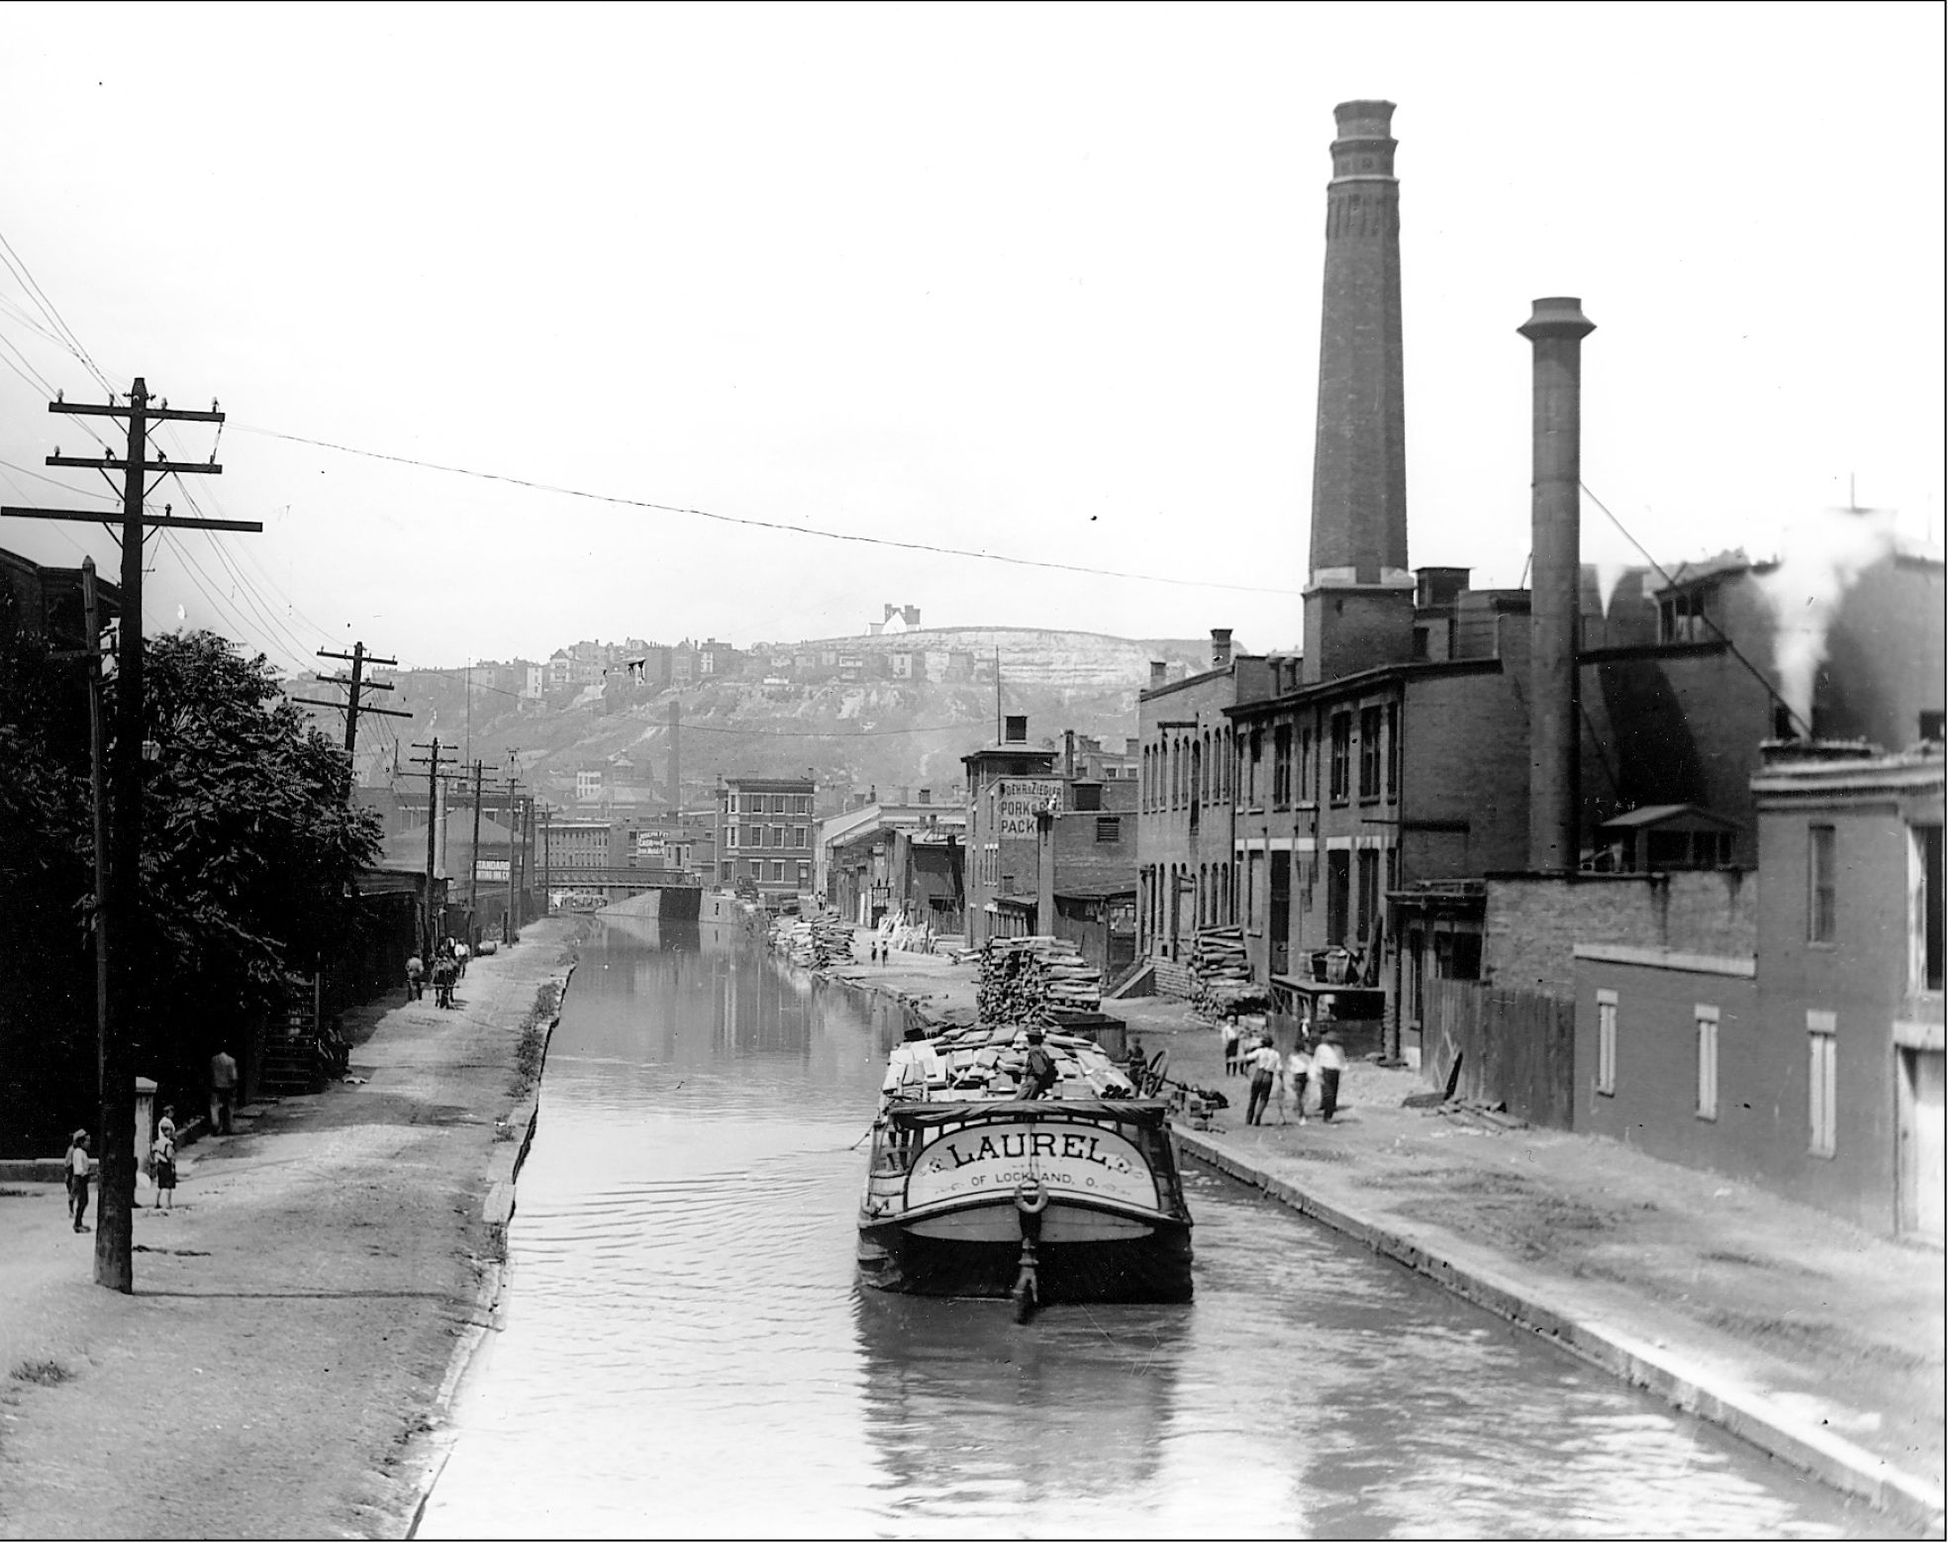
1041 281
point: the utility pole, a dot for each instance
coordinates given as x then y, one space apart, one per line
476 837
510 874
544 847
435 761
114 1218
353 707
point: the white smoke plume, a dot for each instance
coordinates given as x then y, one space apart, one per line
1822 558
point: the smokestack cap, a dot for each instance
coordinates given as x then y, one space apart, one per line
1363 119
1556 316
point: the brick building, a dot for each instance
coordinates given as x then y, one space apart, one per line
1007 785
1811 1057
766 834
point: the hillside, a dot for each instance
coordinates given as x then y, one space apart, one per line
848 734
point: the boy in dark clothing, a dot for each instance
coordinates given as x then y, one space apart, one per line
1041 1073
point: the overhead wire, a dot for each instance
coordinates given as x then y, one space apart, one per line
783 526
18 266
1707 621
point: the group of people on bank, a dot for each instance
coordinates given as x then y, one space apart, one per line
449 959
1312 1074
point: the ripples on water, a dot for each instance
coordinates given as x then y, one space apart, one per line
686 1353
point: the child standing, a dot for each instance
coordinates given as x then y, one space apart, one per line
77 1162
163 1159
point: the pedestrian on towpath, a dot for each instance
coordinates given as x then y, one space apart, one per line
1228 1034
1300 1079
224 1086
1265 1070
1330 1061
76 1164
163 1159
444 977
415 977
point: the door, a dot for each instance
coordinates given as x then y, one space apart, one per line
1922 1142
1279 912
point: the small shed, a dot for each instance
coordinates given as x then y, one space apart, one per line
1661 836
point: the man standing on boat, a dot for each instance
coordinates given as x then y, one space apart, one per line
1041 1073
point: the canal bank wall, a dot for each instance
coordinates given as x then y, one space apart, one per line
1817 1343
302 1312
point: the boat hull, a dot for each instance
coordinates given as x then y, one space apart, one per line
1086 1256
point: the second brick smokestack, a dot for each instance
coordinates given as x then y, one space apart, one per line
1556 329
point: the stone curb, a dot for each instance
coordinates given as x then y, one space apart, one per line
1842 1464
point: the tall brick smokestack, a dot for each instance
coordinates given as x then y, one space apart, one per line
674 755
1360 477
1556 329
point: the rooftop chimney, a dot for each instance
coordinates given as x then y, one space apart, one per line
1159 671
1221 646
1555 330
1068 753
1017 730
925 795
1360 477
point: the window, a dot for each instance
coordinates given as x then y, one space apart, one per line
727 872
1392 748
1926 941
1338 729
778 804
802 875
1609 1041
1254 750
1282 765
1109 828
1197 784
1823 1083
1683 618
1367 891
1337 897
1708 1021
755 836
1371 752
1823 884
775 873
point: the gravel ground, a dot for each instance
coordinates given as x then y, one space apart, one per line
296 1313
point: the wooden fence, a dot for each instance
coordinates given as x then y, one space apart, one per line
1516 1048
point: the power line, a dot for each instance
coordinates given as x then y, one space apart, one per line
46 307
1707 621
760 524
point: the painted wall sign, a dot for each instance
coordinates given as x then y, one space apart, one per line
990 1160
1017 800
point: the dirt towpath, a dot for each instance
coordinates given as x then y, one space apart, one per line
1818 1340
295 1315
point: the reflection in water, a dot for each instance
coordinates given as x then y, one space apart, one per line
686 1352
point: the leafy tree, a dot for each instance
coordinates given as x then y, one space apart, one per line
250 850
47 979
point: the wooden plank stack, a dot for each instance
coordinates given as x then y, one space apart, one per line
1223 972
1029 980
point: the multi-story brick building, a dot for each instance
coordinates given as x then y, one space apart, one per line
1007 786
765 836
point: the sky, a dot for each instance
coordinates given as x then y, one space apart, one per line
1041 282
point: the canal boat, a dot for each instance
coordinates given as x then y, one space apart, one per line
975 1191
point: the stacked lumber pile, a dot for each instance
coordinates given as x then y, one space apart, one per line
1223 973
813 944
1028 980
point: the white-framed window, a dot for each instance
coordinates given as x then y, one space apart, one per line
1608 1003
1708 1024
802 875
1823 1082
1822 919
776 873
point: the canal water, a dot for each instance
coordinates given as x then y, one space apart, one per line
685 1351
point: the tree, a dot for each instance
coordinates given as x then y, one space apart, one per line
250 850
250 853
